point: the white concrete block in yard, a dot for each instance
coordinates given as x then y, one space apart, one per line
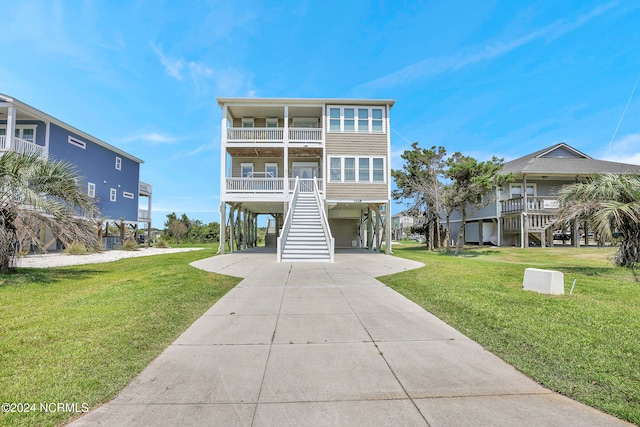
543 281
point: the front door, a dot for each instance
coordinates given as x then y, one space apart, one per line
306 171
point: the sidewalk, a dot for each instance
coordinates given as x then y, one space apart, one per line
324 344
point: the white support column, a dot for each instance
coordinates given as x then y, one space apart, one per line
11 125
223 228
387 221
223 159
285 144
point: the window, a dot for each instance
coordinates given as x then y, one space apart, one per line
360 169
272 123
305 122
363 169
77 142
271 170
349 122
378 169
334 119
356 119
376 119
247 123
349 169
118 163
91 189
246 170
113 194
516 190
127 195
363 120
335 169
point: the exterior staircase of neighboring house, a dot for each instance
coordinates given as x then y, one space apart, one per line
306 235
270 239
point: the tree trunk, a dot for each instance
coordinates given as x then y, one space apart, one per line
460 241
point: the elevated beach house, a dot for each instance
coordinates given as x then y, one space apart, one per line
523 212
318 168
110 175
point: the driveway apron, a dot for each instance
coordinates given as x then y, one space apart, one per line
326 344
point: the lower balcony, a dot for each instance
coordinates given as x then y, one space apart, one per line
266 185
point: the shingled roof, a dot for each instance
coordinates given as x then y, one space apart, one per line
562 159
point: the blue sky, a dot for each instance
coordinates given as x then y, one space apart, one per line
485 78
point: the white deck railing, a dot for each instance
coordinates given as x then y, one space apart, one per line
268 185
274 135
19 145
305 135
144 215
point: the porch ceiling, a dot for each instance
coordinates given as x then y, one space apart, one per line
238 111
20 114
274 151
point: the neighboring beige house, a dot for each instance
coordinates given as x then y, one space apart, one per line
524 211
319 168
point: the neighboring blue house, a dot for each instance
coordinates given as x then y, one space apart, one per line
110 175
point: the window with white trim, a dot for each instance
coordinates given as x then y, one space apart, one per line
247 122
127 195
246 170
515 190
335 169
357 169
272 123
91 189
77 142
271 170
118 163
25 132
356 119
113 194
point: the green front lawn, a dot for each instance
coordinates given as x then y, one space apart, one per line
80 334
585 346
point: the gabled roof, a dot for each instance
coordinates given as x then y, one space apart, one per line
562 159
47 118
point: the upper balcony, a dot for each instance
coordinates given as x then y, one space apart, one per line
274 135
20 146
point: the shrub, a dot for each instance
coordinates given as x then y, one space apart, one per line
78 248
130 245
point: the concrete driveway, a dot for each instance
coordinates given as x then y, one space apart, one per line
323 344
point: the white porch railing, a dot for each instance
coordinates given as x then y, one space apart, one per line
255 185
306 135
144 188
20 145
269 185
271 135
255 134
144 215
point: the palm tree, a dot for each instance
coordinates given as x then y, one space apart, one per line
35 195
611 203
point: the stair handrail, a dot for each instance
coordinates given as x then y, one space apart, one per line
331 242
282 238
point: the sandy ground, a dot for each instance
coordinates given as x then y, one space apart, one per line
62 260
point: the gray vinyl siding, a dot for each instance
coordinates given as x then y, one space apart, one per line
357 191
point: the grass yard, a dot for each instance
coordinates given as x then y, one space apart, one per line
80 334
585 346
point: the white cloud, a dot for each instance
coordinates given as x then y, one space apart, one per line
173 67
625 150
150 137
201 149
433 66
